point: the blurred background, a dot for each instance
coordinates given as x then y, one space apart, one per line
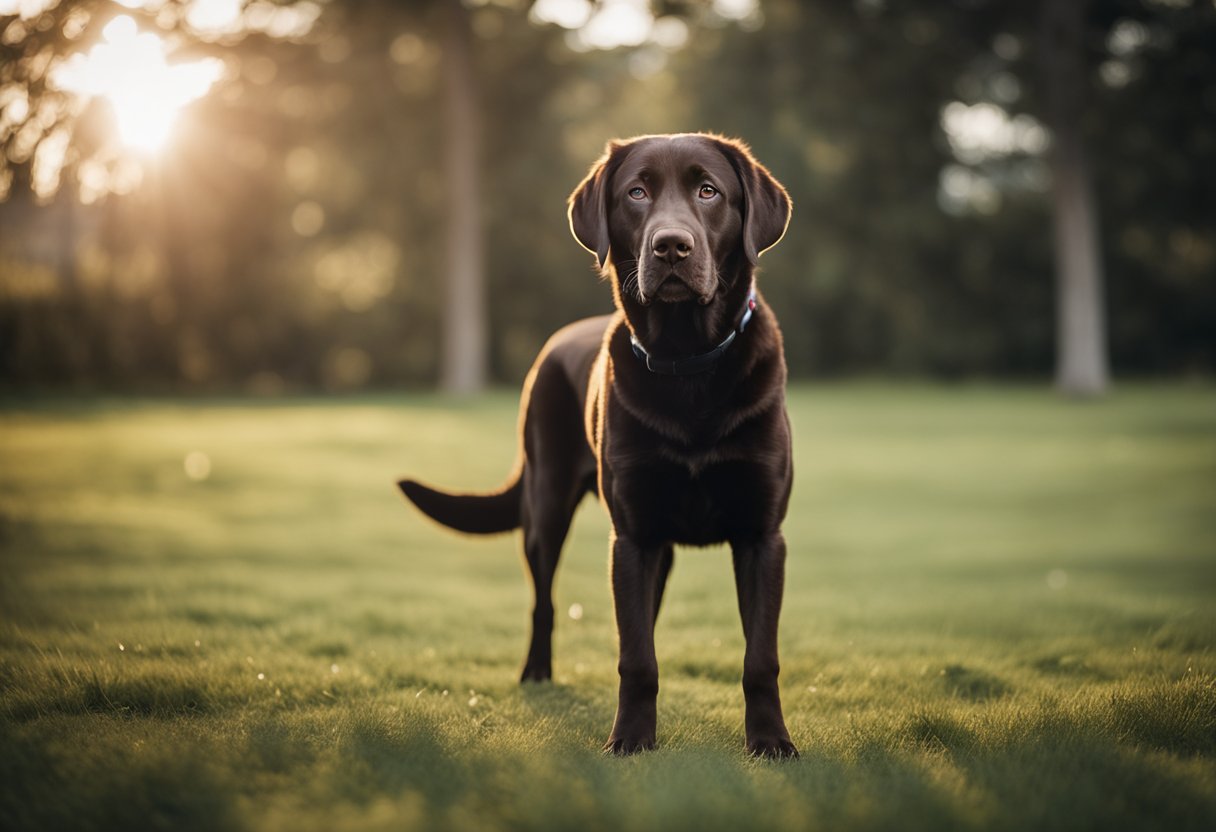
268 197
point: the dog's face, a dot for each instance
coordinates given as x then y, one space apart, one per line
673 213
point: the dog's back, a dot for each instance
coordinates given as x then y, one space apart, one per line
554 399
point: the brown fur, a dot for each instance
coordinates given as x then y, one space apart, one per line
689 459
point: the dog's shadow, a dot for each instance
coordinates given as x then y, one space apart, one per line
559 698
576 707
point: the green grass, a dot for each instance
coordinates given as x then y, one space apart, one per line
999 615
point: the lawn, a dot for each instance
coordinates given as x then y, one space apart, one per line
219 614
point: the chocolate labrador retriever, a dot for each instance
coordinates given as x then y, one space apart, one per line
672 409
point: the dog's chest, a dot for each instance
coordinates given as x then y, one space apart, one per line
699 512
696 499
671 474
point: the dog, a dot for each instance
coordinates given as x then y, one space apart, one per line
672 410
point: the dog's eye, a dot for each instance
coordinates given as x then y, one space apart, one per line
637 193
707 192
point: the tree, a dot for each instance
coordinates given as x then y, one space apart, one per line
465 320
1081 360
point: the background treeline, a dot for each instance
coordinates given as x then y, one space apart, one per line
292 235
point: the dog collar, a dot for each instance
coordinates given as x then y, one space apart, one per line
697 363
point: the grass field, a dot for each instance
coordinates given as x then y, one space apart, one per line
1000 614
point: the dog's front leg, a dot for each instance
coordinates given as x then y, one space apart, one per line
760 583
635 577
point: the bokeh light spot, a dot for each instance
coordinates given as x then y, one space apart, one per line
307 219
197 465
346 368
303 167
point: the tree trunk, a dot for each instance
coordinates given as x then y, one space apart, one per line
463 358
1081 363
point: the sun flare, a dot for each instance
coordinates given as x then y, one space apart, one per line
129 70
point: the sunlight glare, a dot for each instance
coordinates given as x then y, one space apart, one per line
215 15
569 14
618 23
129 70
25 9
985 131
736 9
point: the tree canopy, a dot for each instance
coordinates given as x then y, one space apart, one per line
285 229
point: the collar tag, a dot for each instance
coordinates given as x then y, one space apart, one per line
747 314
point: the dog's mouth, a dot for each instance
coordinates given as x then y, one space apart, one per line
673 289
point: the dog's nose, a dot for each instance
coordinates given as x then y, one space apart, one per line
672 244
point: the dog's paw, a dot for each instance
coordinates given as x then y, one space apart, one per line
624 746
536 673
772 748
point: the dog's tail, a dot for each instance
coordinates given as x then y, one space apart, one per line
475 513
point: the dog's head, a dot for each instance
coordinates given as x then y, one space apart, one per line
675 218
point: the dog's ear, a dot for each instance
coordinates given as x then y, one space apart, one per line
588 209
766 205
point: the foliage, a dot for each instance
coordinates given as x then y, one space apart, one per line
291 235
998 616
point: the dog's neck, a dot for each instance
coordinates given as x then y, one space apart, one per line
673 331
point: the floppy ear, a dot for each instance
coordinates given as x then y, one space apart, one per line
588 209
766 205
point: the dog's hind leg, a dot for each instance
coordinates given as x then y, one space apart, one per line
555 480
545 529
665 561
